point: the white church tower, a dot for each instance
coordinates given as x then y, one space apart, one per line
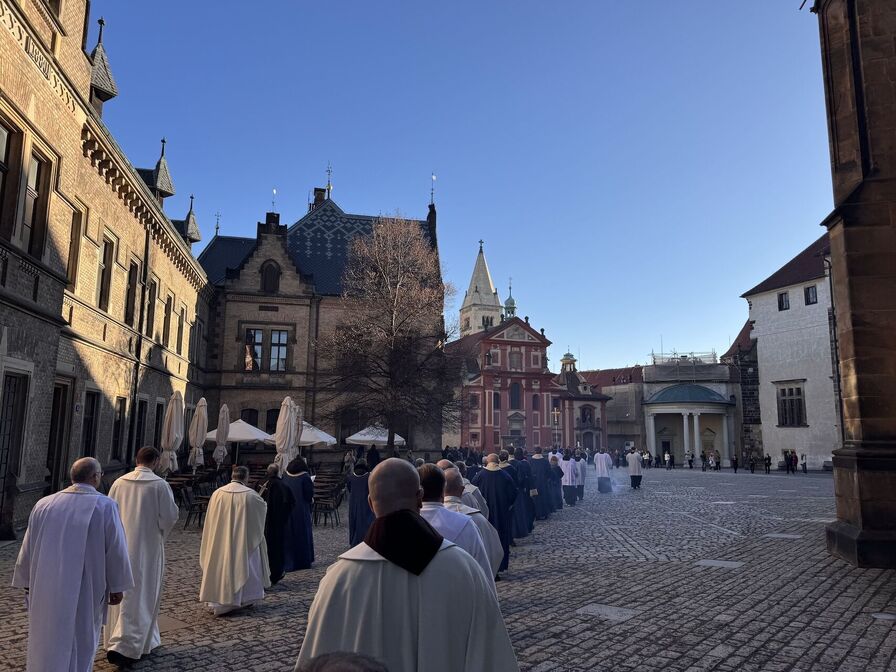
481 307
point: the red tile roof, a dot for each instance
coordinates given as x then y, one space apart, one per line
807 265
742 342
607 377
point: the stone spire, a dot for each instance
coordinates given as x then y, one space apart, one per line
158 179
481 307
188 227
102 83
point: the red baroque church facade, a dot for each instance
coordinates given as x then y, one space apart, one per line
511 398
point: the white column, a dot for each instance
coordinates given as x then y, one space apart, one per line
651 434
684 429
696 436
726 448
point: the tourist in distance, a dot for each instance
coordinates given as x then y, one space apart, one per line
233 555
148 512
298 551
768 464
406 596
499 491
734 463
634 469
67 600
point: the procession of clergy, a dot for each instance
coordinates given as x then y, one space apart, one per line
416 590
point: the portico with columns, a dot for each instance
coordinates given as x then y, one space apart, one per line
689 418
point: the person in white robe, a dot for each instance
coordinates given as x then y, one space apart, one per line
602 464
148 512
406 596
453 501
72 564
453 526
634 468
472 495
233 554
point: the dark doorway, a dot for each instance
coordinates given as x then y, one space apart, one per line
60 424
12 422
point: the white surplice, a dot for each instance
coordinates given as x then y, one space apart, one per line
148 512
73 555
634 464
473 498
570 471
603 463
233 554
461 530
489 534
446 619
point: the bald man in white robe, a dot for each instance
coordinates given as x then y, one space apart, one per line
454 487
233 554
73 563
406 596
472 495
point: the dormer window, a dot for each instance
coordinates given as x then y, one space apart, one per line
270 277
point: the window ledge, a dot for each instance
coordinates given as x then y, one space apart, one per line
791 426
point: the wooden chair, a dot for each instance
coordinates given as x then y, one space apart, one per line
196 507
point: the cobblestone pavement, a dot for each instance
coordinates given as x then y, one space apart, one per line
696 571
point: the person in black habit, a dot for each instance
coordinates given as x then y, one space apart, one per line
280 501
499 490
520 524
373 457
360 515
556 484
541 478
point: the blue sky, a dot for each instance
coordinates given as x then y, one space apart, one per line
634 166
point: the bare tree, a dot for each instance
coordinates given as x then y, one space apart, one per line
386 359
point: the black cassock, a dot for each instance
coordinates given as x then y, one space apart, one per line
359 514
523 518
499 490
541 477
556 487
280 502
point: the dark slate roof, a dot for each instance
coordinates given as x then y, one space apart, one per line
742 343
101 74
807 265
224 252
571 380
688 393
319 241
187 227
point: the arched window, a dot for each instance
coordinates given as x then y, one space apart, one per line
536 403
270 277
516 396
496 403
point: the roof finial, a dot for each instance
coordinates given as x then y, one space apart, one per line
164 141
102 23
481 242
191 202
329 180
274 199
510 287
432 190
217 222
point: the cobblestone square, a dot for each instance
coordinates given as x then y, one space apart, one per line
635 580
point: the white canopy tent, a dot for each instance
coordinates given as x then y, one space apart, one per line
373 436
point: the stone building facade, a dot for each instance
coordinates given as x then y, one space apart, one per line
744 356
100 295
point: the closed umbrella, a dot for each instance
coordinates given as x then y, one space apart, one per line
285 435
221 435
172 433
198 428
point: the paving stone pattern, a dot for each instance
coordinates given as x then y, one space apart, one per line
611 584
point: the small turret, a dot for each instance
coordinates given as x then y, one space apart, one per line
102 83
158 179
187 227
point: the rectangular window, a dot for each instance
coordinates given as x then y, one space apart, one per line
166 324
496 437
5 135
130 299
12 421
270 420
278 350
181 320
516 361
74 246
783 301
118 427
104 274
140 436
30 234
153 296
791 405
811 295
157 426
250 416
254 339
199 355
89 424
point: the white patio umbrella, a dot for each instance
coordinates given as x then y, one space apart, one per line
198 429
311 435
220 435
241 432
172 433
373 436
285 436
